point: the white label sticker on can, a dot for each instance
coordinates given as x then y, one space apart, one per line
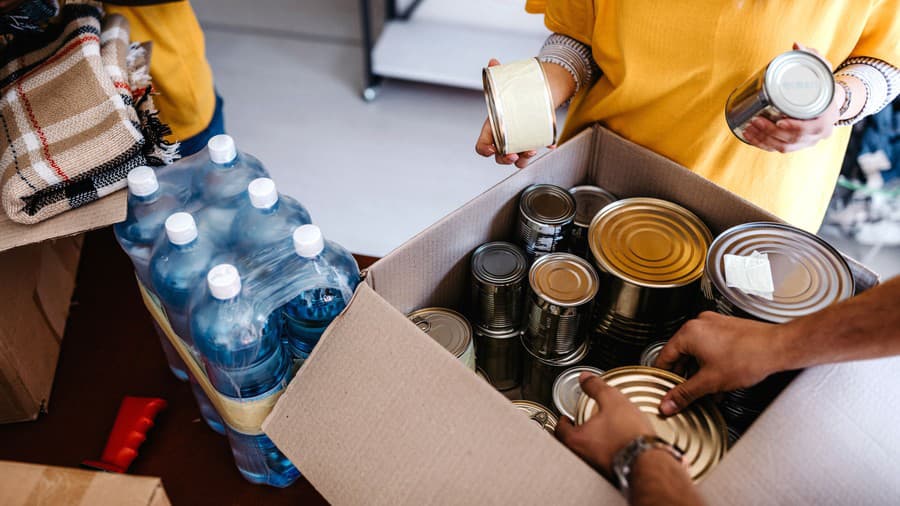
752 274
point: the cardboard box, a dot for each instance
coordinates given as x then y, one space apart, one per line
38 264
381 414
31 484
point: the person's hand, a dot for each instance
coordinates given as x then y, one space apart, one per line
617 423
732 353
790 134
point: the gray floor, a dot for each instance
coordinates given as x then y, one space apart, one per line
372 175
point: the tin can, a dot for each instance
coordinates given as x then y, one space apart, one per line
520 106
538 374
498 285
546 213
450 329
650 255
562 287
483 375
796 84
500 356
651 353
589 200
540 415
699 430
567 390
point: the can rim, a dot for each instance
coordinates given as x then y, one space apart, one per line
552 419
557 386
656 346
495 114
527 194
480 330
589 269
483 276
594 190
468 340
776 99
566 361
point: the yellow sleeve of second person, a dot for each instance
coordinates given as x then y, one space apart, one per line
574 18
181 75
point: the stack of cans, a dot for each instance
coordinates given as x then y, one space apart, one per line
497 305
562 288
650 254
807 276
546 213
589 200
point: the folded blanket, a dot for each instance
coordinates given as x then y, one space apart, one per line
76 114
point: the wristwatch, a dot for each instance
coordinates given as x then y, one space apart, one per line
623 462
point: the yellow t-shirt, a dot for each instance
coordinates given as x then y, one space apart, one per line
181 75
669 66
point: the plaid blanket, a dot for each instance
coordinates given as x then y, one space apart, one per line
76 114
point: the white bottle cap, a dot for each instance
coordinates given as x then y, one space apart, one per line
308 241
263 194
222 149
224 281
142 181
181 228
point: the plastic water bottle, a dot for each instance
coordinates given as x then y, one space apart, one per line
326 276
149 204
220 184
245 361
269 219
176 268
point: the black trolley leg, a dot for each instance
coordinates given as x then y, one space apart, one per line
372 81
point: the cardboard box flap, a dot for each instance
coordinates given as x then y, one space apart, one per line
29 484
446 428
108 210
830 438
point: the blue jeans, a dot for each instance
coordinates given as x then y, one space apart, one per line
216 126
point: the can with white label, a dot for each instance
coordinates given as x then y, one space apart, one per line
520 106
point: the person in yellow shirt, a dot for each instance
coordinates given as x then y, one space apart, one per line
659 74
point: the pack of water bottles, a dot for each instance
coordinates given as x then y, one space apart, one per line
242 286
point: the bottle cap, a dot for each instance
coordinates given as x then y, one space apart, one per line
224 281
263 194
222 149
142 181
181 228
308 241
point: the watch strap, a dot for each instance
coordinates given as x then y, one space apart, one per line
624 460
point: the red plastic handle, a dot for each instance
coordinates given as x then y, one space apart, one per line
135 418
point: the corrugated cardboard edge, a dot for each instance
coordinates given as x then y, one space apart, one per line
32 484
469 426
106 211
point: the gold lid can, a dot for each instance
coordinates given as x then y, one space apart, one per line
649 242
699 431
538 414
449 328
563 279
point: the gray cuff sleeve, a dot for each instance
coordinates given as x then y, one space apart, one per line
880 78
571 55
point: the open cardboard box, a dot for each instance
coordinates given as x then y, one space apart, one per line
38 264
381 414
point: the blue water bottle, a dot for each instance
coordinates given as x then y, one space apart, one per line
270 218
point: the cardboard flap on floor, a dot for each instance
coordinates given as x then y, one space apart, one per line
382 414
106 211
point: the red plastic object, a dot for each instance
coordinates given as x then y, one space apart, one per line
135 418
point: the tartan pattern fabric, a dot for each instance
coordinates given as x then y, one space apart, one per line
76 114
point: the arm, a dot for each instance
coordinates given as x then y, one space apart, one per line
657 478
735 353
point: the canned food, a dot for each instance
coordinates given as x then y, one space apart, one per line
483 375
699 430
498 285
520 106
796 84
543 417
538 374
589 200
651 353
562 287
450 329
650 254
500 356
807 273
567 390
546 213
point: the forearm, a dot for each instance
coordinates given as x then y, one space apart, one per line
863 327
657 478
571 65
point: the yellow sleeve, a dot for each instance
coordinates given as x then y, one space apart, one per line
881 36
574 18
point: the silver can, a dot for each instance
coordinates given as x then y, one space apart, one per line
500 356
538 374
567 390
651 353
450 329
796 84
540 415
589 200
498 285
546 213
562 287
